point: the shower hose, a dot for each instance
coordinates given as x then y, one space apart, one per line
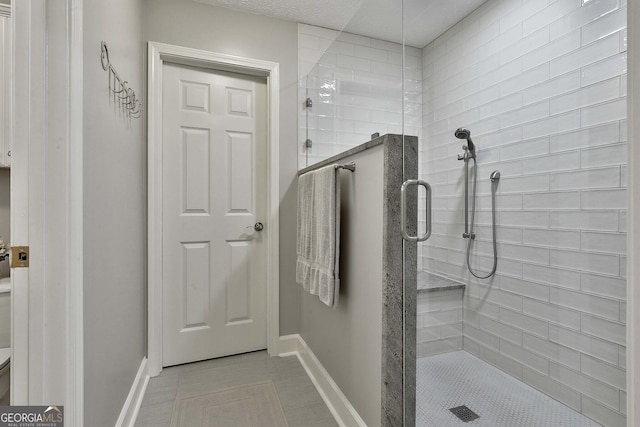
493 224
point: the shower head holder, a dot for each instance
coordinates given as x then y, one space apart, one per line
464 133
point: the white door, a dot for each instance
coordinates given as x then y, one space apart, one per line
214 192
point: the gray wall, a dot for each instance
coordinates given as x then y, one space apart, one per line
348 339
114 213
190 24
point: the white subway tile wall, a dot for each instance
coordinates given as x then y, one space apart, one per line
542 86
439 323
356 86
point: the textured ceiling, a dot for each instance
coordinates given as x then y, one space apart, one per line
381 19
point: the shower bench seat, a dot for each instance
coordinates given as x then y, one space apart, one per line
429 282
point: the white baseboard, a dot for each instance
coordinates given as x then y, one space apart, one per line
288 345
342 410
131 406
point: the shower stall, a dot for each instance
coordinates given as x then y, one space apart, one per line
514 308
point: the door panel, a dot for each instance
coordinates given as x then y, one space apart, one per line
194 286
240 148
214 262
195 186
238 289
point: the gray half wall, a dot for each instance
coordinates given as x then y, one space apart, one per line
347 339
360 342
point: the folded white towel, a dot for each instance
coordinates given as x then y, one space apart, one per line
318 266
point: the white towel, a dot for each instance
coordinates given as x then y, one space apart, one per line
318 266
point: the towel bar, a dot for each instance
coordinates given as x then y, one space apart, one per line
351 166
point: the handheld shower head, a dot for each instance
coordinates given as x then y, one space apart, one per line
464 133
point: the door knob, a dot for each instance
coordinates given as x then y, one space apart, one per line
258 226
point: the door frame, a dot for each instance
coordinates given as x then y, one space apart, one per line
158 54
633 207
47 205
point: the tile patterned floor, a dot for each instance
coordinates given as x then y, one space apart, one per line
300 400
458 378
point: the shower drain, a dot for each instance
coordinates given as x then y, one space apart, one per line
464 413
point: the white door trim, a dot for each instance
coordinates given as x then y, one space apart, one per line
633 227
47 103
158 53
75 312
28 29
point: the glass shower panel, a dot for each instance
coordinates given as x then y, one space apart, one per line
350 85
548 330
352 91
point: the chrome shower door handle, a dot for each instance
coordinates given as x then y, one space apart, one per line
403 210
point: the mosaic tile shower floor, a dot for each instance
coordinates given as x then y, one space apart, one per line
458 378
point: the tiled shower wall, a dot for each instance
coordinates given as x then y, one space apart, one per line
542 86
439 322
355 84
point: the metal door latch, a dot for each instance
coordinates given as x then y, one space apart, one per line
19 256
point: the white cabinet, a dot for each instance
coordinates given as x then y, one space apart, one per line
6 78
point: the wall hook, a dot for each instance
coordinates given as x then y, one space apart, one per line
119 87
